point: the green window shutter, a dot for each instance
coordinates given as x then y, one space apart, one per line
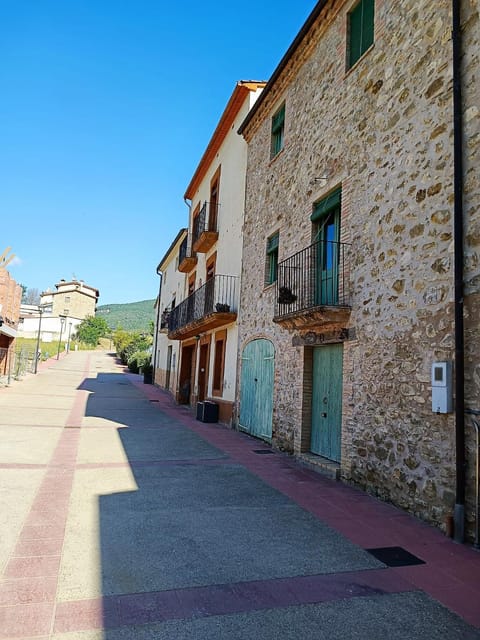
332 201
278 124
361 30
278 119
272 243
271 267
355 34
368 24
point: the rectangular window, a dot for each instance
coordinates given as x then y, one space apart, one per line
360 30
67 299
271 262
219 363
278 128
213 208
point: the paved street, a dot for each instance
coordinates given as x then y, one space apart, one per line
122 517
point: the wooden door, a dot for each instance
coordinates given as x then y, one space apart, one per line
256 388
203 372
327 401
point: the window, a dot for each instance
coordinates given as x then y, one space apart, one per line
191 283
360 30
67 299
210 266
213 209
271 262
219 363
278 127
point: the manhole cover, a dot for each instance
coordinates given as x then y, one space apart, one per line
395 556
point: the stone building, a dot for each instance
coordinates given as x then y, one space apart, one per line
60 312
352 239
74 299
172 288
204 320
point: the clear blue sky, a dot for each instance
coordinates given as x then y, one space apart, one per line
106 107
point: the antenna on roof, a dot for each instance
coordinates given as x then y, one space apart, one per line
74 277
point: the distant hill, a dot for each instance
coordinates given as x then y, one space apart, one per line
132 316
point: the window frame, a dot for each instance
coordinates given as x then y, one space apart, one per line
363 32
277 131
219 362
271 259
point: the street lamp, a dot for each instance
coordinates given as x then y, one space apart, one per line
37 355
63 319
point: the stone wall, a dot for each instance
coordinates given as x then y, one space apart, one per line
383 132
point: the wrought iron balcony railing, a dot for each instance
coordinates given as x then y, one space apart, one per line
218 295
205 221
164 319
186 256
313 277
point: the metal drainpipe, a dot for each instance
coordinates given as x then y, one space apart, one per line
159 273
459 513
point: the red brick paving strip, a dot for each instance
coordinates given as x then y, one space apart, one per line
29 585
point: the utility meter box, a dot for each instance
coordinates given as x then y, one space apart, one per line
442 396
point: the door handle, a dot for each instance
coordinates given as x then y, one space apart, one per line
324 415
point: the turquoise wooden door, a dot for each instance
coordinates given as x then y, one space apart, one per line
256 388
327 401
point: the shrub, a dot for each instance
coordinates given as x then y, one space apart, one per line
138 360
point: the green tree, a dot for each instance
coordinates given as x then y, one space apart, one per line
128 342
91 329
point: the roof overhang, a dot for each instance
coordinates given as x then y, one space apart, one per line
8 331
242 89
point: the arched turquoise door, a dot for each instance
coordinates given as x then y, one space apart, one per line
256 388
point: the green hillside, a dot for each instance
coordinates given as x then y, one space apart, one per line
132 316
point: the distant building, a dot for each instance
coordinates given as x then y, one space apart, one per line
62 311
74 299
166 351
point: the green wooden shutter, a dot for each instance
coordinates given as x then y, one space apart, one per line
361 29
272 243
321 208
368 24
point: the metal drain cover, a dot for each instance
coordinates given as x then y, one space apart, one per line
395 556
262 451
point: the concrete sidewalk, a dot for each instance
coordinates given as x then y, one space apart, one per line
123 517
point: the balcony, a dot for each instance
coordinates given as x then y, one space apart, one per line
311 289
205 232
164 321
213 305
186 257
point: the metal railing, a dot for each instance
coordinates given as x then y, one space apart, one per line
313 277
185 250
164 319
217 295
206 220
15 364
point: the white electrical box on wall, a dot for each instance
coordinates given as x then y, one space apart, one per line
442 395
